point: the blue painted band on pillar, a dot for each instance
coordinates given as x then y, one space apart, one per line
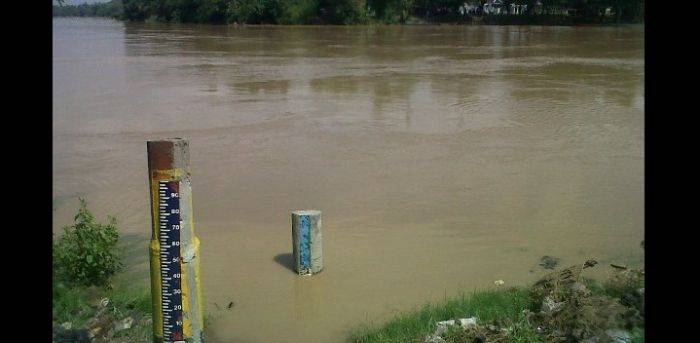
305 242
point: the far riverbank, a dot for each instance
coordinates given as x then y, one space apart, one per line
362 12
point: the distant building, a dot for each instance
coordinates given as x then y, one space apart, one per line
518 8
553 9
469 8
537 7
495 7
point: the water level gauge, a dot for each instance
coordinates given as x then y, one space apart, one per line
174 247
170 261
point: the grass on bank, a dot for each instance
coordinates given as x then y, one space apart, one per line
504 307
78 305
493 305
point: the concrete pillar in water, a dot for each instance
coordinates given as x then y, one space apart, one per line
174 248
307 244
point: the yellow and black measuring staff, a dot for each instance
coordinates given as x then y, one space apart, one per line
175 277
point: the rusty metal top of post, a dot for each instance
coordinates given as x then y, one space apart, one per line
169 153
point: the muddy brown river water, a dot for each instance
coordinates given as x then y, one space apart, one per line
443 157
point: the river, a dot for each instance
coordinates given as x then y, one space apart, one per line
443 157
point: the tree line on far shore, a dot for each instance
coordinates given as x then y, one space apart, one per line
113 9
358 11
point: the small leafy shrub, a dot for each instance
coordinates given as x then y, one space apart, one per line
86 253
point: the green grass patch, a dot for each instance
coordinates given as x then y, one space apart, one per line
561 307
78 304
491 305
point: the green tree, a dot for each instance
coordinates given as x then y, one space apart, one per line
137 9
436 9
343 11
300 12
211 11
103 9
391 10
254 11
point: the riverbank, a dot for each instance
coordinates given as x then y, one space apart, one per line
88 305
562 306
362 12
492 21
94 314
